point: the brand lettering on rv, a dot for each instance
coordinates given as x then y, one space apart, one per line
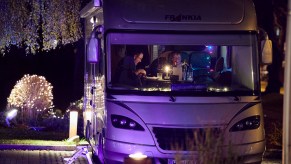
182 18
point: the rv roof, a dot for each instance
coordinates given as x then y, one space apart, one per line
180 15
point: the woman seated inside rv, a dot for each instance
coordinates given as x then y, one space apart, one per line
127 73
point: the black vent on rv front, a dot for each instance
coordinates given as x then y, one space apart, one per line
184 139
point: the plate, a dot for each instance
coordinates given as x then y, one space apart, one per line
152 78
172 161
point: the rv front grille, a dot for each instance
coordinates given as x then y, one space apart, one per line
186 139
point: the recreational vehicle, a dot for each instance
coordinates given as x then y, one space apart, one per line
198 97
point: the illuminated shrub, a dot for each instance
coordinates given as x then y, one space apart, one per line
32 95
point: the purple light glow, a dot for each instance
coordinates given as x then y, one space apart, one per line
11 114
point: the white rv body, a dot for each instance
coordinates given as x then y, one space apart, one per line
151 119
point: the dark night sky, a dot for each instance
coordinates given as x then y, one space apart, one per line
63 68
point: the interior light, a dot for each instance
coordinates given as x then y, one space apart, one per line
167 69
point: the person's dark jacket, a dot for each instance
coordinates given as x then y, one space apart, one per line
126 72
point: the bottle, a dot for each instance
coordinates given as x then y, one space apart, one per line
174 69
190 73
184 71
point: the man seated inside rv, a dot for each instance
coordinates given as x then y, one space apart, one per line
127 73
168 58
156 66
176 65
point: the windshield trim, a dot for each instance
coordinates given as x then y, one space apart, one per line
183 93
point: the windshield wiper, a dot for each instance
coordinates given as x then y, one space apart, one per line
172 98
236 98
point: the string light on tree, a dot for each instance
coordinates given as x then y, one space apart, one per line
22 21
33 94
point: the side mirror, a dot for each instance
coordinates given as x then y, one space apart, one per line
94 46
267 52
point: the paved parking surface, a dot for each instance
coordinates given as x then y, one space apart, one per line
37 157
56 157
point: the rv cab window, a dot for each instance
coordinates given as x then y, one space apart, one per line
181 63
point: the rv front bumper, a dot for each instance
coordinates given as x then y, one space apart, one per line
116 152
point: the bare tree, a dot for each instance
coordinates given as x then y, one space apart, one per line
39 25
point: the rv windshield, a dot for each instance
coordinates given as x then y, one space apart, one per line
182 63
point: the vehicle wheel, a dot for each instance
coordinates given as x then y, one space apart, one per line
97 154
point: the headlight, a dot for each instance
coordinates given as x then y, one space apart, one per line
249 123
125 123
